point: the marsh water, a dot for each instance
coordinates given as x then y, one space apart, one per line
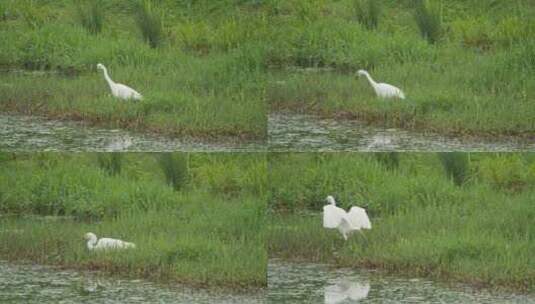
300 132
31 133
41 284
317 283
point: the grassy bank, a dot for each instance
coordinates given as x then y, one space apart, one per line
475 78
203 227
215 68
204 77
476 229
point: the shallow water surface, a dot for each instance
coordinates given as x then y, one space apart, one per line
317 283
41 284
30 133
299 132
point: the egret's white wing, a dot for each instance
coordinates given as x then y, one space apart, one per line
358 218
107 243
126 92
332 216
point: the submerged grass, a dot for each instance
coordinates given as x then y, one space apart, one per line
422 223
202 235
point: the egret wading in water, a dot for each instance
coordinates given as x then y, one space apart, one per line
119 90
346 222
106 243
383 90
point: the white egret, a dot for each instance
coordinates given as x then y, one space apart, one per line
106 243
383 90
346 222
345 290
119 90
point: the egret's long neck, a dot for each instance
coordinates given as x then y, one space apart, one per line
91 243
107 77
370 79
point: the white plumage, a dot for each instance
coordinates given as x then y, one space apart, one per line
346 222
383 90
119 90
106 243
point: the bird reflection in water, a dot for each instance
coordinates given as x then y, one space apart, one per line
346 290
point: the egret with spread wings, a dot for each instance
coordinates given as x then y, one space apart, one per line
346 222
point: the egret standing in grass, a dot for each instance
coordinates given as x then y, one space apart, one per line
106 243
119 90
346 222
383 90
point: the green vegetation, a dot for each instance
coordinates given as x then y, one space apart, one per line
206 78
209 233
211 67
110 162
423 224
367 13
477 79
91 15
175 168
149 21
456 166
429 20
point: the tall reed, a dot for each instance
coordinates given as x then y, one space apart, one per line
91 16
456 166
389 160
428 17
149 21
367 12
110 162
175 168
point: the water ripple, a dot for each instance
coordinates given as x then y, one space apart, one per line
30 133
299 132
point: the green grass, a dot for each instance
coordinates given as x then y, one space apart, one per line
203 235
456 166
423 224
110 162
175 168
91 15
428 17
205 79
367 12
